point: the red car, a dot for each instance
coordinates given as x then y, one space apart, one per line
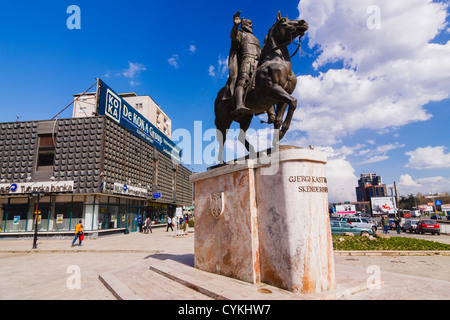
428 226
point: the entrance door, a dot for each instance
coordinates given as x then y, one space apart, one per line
134 224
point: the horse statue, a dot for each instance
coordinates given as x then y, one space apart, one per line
273 82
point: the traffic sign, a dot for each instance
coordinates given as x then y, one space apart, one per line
438 202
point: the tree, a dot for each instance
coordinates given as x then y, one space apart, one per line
407 202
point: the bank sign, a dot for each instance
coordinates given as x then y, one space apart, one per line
31 187
110 104
130 190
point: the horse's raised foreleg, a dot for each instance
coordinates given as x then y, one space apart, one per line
280 109
278 92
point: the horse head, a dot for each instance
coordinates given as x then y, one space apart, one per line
283 32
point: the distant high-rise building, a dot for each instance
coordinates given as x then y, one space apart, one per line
370 185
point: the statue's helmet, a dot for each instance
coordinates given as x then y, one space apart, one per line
247 24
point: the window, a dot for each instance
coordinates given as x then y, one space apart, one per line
138 105
46 152
155 172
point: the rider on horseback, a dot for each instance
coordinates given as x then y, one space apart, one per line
246 51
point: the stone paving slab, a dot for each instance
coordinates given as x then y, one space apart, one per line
217 287
124 261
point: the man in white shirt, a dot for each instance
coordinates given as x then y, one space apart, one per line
169 224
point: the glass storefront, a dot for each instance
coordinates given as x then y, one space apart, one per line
14 215
61 213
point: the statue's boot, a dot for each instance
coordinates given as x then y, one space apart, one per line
240 110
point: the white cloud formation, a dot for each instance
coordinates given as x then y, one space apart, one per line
388 74
192 48
428 158
408 185
341 178
133 70
211 71
221 70
173 61
379 153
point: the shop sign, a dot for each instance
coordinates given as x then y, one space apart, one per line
130 190
110 104
30 187
157 195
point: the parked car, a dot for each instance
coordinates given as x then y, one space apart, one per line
428 226
360 223
340 227
436 217
410 225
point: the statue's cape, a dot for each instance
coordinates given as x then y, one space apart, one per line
233 71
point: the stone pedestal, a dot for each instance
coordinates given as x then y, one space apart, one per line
267 221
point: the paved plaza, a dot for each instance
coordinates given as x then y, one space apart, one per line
159 266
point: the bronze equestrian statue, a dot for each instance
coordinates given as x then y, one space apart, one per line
258 80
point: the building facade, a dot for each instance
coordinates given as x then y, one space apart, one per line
370 185
85 106
90 169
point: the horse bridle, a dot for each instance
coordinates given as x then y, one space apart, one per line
286 44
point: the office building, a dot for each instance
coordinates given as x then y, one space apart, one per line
370 185
93 169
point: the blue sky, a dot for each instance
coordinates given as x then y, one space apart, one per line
375 97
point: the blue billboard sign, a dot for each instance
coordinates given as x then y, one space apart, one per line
110 104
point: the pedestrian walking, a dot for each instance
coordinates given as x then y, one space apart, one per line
385 223
148 225
140 223
79 232
397 224
169 224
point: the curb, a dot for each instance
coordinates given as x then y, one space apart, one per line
82 251
338 253
119 290
393 253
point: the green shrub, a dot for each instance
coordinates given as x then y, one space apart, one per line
357 243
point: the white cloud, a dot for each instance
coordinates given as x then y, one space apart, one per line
133 70
211 71
375 159
428 158
221 70
173 61
408 185
192 48
389 74
379 153
341 178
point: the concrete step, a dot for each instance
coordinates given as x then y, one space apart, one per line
140 283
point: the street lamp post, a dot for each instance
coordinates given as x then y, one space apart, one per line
37 195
